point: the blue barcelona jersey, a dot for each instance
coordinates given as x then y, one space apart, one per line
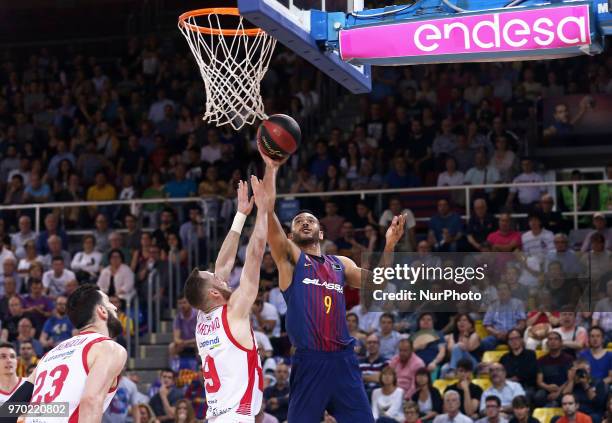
316 310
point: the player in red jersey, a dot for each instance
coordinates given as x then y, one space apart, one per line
9 381
230 363
82 371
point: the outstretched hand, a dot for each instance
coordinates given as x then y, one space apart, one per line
396 229
260 194
269 161
245 204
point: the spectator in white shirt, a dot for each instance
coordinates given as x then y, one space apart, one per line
537 241
55 280
451 410
24 235
451 176
86 263
527 196
117 278
388 399
5 253
211 152
369 321
156 111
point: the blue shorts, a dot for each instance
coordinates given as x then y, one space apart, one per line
327 381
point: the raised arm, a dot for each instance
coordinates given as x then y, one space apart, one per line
106 361
227 253
244 296
281 247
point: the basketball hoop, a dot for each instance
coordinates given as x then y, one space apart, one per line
232 63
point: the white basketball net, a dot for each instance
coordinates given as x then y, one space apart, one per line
232 68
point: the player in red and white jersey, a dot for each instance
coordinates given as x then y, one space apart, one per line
230 363
9 381
83 370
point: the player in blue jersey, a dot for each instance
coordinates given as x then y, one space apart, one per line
325 373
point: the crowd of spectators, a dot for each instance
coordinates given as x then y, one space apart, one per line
76 127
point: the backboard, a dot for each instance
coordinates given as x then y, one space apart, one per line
289 21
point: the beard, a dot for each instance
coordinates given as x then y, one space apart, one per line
226 293
113 325
304 240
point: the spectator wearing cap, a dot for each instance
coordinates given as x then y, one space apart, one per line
469 392
480 225
503 315
521 411
493 411
599 359
526 196
599 225
451 410
86 263
602 317
505 390
589 392
552 372
56 279
571 414
57 327
117 278
570 263
520 363
51 229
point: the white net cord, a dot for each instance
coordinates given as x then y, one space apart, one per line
232 68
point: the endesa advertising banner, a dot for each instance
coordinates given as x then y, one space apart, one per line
517 31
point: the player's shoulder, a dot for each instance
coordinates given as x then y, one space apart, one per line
346 261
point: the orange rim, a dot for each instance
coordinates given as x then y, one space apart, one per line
231 11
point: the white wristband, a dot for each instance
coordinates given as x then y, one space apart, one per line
238 222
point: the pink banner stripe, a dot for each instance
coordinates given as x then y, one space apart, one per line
519 30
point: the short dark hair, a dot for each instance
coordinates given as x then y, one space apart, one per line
571 395
34 281
465 364
493 398
167 370
117 251
8 345
57 258
82 304
387 315
302 211
599 328
193 289
520 402
26 342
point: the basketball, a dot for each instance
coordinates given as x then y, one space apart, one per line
279 136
